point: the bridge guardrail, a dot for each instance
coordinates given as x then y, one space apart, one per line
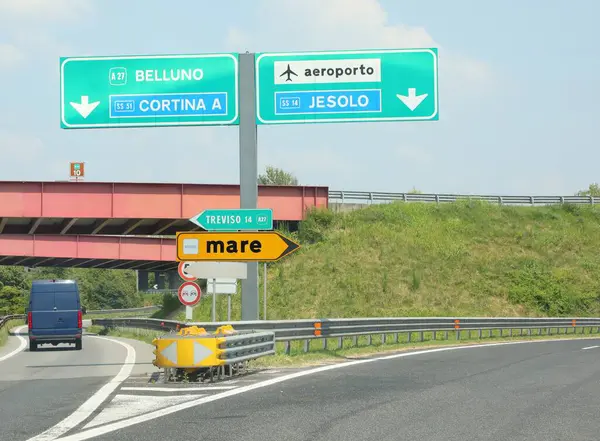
287 331
376 197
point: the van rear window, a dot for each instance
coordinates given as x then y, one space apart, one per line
65 301
42 301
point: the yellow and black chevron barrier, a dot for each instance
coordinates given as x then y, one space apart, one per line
193 347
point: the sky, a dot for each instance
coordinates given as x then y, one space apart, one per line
518 93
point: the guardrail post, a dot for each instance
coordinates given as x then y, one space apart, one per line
457 328
383 338
288 347
306 345
340 342
420 335
355 340
369 340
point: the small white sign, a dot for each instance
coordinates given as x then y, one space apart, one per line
360 70
217 270
190 246
223 286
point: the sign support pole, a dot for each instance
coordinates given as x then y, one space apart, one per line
248 171
214 308
265 291
228 307
188 312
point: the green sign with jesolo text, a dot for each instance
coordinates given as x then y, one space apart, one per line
347 86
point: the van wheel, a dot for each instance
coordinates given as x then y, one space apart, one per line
32 346
78 345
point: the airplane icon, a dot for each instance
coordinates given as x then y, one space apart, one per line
289 72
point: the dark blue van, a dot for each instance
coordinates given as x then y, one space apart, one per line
54 314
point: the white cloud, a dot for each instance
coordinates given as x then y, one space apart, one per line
305 25
44 10
10 56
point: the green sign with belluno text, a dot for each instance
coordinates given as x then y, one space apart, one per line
347 86
149 91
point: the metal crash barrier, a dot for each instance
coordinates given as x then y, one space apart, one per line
193 350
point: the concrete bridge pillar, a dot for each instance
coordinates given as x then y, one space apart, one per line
142 280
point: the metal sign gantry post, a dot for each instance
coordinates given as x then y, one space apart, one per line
248 171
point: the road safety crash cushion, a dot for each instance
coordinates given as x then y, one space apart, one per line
188 350
225 330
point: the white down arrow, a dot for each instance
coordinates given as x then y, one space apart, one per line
412 100
85 107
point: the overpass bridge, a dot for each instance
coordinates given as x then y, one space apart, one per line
110 225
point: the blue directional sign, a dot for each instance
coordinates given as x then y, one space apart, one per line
347 86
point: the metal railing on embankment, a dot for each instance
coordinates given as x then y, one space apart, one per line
142 310
8 318
392 329
362 197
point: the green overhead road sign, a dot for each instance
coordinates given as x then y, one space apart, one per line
149 91
347 86
235 220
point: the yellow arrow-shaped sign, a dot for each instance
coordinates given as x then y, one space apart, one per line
266 246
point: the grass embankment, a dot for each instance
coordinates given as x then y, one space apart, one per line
463 259
413 259
4 331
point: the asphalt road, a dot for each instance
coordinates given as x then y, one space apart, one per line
40 389
535 391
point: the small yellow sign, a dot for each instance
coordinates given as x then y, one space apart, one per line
266 246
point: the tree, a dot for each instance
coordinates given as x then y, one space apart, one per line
12 300
593 190
276 176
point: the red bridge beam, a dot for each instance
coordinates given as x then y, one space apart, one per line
88 251
102 200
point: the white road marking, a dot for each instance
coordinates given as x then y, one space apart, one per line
91 433
590 347
22 345
95 401
178 389
127 406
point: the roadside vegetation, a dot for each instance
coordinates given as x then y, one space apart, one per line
5 330
413 259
